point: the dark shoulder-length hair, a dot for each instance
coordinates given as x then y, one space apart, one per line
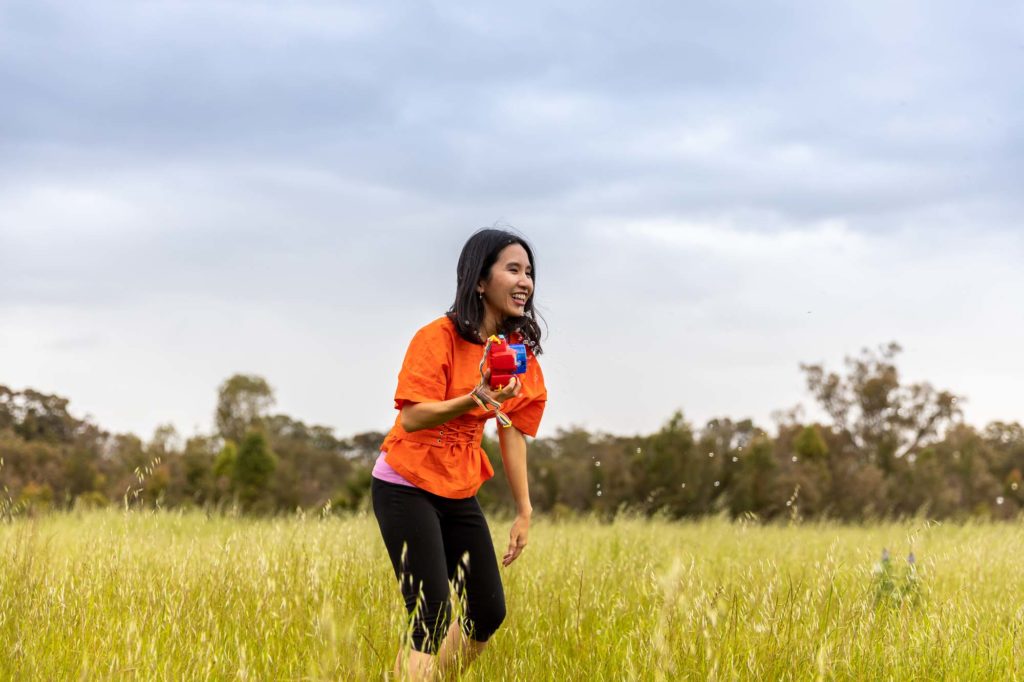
467 312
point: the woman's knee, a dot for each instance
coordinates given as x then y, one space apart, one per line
430 624
484 620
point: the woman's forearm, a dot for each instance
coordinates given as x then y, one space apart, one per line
513 455
416 416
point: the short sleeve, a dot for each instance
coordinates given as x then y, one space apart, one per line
426 369
529 405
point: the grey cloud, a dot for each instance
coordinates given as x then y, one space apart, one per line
414 92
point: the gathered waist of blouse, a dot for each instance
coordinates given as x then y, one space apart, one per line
466 430
447 460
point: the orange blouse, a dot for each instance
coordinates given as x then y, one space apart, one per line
447 460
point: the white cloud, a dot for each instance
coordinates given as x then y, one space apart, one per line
754 237
67 210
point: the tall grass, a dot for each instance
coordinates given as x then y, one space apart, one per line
171 596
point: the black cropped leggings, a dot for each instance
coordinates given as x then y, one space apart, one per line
433 540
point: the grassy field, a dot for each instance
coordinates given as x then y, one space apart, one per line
160 595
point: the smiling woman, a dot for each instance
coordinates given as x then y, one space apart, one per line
431 463
494 292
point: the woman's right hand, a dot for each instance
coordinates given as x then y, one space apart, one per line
510 390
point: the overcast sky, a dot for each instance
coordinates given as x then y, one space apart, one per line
716 192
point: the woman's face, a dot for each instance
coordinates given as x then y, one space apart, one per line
510 284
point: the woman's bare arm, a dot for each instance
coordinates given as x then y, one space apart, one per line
417 416
513 454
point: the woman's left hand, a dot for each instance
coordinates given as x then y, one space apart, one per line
517 539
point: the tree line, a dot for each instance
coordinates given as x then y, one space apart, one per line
881 448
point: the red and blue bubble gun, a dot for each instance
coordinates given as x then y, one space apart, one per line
505 361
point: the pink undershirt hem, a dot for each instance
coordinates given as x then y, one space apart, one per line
383 471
